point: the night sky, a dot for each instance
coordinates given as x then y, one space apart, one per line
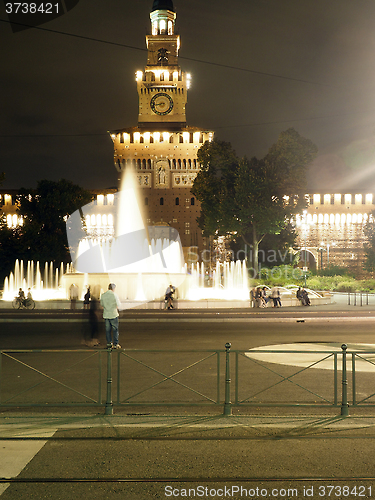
258 67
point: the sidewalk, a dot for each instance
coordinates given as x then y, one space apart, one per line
16 426
337 311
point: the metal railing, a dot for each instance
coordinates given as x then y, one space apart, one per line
361 298
137 377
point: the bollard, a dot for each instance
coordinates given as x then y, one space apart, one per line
344 400
227 402
361 298
108 403
348 298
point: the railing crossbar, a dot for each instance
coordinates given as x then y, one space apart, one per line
285 379
169 377
48 377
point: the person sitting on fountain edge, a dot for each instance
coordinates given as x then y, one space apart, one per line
111 305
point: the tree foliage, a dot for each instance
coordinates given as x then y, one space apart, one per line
43 233
215 187
252 198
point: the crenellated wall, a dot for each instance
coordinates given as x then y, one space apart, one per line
331 229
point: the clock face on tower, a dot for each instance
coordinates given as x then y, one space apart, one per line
161 104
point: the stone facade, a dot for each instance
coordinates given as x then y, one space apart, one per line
165 165
331 230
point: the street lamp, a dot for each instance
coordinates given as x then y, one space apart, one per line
328 245
304 226
320 249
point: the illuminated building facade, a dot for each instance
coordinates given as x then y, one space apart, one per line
330 230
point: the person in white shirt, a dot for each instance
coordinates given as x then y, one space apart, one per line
111 305
169 296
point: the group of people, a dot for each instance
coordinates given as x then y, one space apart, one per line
111 305
303 296
259 297
21 295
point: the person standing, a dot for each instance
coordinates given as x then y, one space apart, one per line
275 296
111 305
73 295
86 299
169 296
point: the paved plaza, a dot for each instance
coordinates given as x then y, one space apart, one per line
143 452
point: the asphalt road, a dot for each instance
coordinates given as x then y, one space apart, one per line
294 453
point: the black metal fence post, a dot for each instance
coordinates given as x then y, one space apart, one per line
344 400
227 402
109 403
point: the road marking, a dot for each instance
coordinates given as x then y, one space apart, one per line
306 356
15 455
251 318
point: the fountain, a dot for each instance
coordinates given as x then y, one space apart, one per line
28 275
142 261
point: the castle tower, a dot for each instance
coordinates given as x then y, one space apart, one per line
162 87
163 148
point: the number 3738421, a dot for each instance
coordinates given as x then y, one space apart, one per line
31 8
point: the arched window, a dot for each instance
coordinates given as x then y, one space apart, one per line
174 164
179 164
192 201
161 201
177 201
171 139
146 201
184 163
144 164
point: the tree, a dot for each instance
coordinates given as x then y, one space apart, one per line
369 246
44 211
252 198
214 187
